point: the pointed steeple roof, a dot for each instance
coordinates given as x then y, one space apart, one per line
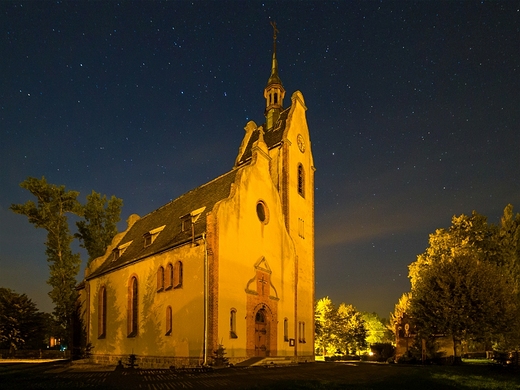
274 78
274 92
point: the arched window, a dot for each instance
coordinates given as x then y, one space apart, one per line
102 313
133 319
160 279
177 275
301 180
169 322
301 332
285 329
233 324
169 276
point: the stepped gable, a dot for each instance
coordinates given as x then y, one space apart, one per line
271 137
169 216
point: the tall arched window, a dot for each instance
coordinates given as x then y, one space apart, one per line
177 276
301 180
169 321
160 279
169 276
233 324
133 319
301 332
102 313
285 329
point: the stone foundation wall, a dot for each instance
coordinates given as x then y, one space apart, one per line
147 361
304 359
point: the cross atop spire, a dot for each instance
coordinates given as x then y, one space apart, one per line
275 30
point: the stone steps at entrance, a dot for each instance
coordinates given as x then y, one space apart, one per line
273 361
249 362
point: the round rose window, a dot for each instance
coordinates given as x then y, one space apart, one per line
262 212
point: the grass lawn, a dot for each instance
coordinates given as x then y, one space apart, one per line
470 375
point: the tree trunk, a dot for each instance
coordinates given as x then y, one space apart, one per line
457 359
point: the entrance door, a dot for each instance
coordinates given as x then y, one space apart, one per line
261 335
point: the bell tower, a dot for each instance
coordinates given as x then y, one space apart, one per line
274 91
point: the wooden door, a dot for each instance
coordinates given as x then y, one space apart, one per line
261 334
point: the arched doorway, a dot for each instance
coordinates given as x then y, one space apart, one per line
261 333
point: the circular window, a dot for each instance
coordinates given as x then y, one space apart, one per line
262 212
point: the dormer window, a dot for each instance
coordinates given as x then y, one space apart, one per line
149 237
189 219
118 252
186 224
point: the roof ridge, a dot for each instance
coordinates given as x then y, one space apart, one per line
186 193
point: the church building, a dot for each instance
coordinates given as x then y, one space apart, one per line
230 263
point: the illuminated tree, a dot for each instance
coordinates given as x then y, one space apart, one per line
508 238
352 332
468 276
338 329
377 330
467 236
325 318
99 226
462 297
95 232
50 213
401 308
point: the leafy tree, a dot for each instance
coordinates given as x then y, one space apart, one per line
352 332
468 235
99 226
338 329
508 238
326 321
401 308
50 213
462 297
469 254
20 321
377 330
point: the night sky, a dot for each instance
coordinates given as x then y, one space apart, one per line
413 112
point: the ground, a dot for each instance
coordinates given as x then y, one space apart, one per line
320 375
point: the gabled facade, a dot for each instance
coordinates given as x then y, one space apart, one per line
231 262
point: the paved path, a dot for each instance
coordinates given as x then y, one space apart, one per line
59 375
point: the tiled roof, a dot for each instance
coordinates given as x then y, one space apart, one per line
169 215
271 137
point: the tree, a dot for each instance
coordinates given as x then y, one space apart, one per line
401 308
377 330
326 321
99 226
50 213
462 297
340 329
20 321
468 235
470 253
508 238
508 241
352 331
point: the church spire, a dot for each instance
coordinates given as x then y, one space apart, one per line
274 91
